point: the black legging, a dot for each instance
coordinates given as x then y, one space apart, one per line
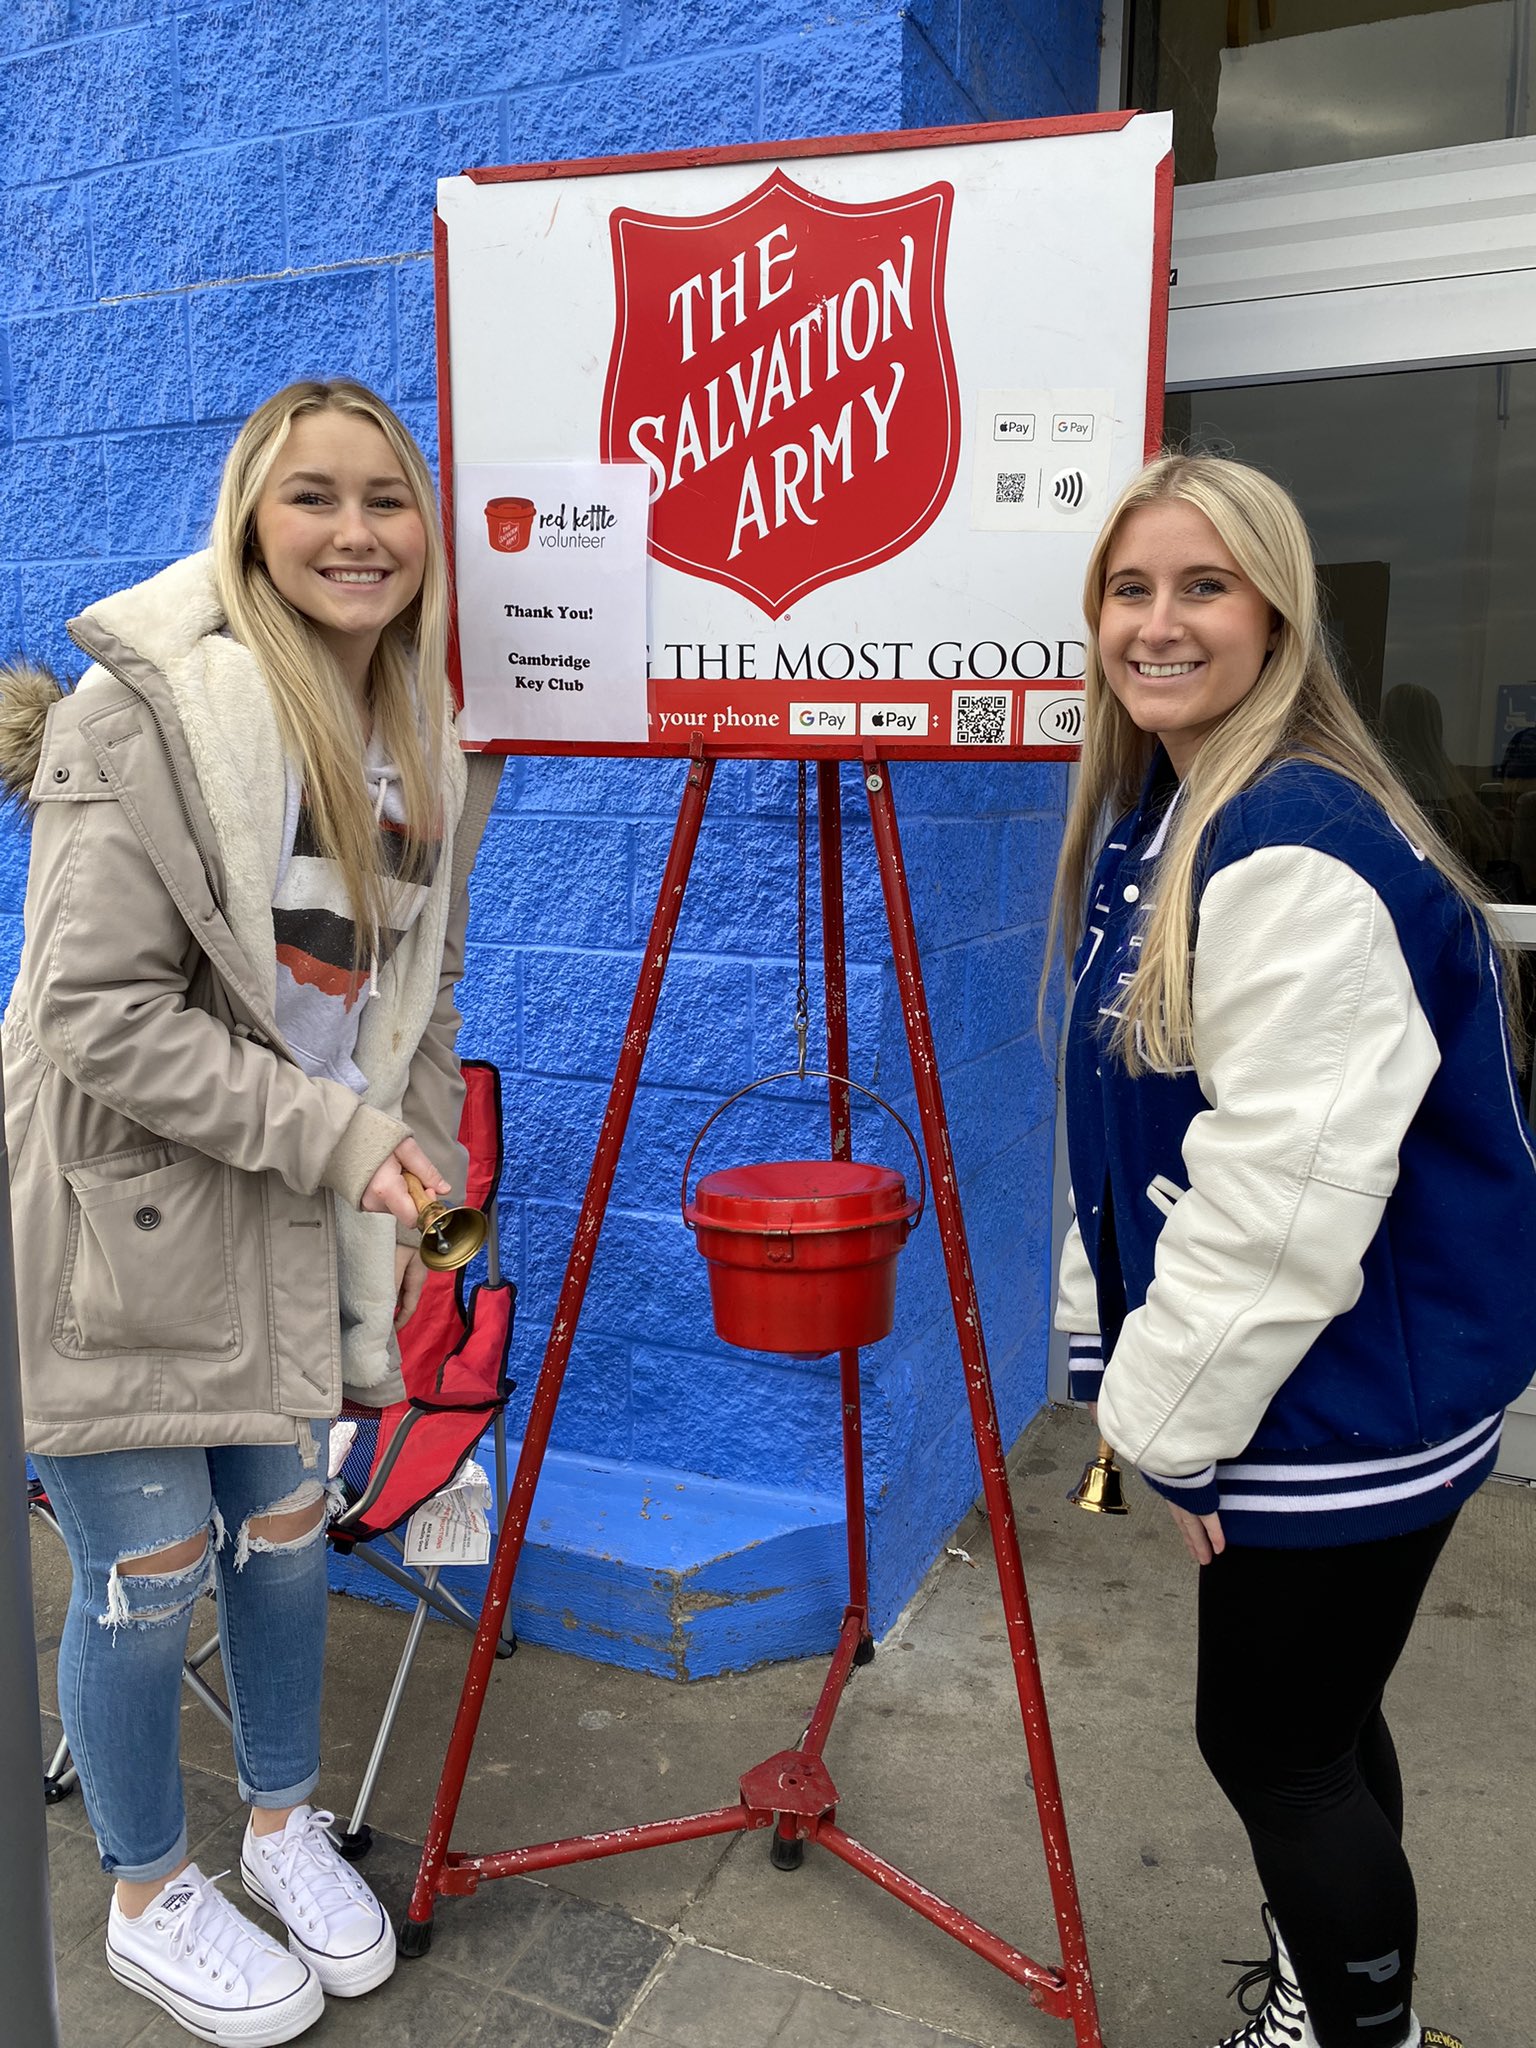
1296 1647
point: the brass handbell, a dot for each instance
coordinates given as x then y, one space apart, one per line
449 1237
1101 1490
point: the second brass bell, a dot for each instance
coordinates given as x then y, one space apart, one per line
1101 1490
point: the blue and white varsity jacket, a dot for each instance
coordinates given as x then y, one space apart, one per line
1301 1257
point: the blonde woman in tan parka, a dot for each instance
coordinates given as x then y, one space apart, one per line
231 1035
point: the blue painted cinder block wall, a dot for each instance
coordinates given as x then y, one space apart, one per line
201 203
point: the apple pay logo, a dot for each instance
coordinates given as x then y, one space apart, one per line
894 721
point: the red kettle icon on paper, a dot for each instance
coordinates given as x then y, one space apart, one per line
509 522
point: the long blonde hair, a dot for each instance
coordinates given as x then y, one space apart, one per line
316 712
1296 710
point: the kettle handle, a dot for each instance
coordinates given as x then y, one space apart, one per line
812 1074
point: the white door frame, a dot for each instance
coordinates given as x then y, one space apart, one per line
1397 263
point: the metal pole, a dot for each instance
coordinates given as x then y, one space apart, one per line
26 1924
834 954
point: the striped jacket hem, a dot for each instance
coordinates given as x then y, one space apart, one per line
1290 1500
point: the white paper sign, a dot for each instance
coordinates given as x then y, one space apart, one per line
551 574
454 1527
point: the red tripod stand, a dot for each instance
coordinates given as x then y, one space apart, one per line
792 1792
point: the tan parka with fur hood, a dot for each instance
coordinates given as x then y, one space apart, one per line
191 1265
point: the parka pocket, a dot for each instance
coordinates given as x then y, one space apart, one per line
149 1264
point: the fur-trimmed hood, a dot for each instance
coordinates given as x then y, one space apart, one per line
159 623
27 694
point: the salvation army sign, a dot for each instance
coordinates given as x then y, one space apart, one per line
793 392
796 448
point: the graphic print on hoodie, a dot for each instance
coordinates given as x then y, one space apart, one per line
321 983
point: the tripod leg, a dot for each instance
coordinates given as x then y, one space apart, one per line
416 1933
984 1423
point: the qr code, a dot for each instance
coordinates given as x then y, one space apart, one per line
981 718
1013 487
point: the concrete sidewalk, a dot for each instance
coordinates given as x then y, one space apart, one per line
706 1946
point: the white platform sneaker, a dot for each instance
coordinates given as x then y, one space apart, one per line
194 1955
334 1922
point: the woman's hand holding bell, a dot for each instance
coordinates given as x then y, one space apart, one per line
387 1194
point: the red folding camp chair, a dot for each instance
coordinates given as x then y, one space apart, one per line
453 1360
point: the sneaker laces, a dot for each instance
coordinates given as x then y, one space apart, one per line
206 1929
1259 1983
305 1863
1265 1979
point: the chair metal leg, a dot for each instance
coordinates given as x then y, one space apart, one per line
357 1838
199 1687
61 1777
442 1602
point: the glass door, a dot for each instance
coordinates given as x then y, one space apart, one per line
1419 490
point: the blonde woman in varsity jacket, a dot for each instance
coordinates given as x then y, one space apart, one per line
1302 1180
231 1035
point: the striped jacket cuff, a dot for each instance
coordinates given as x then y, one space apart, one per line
1085 1365
1199 1494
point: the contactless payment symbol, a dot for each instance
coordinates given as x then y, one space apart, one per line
1053 718
1063 718
783 369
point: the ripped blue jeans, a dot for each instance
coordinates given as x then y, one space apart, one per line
125 1637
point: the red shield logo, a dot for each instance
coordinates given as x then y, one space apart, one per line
783 368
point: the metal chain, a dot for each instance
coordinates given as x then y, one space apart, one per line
802 994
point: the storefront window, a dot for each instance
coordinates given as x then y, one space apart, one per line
1420 492
1270 85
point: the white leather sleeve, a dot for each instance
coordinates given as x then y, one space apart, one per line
1077 1299
1314 1053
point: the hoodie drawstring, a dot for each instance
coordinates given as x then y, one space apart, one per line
373 961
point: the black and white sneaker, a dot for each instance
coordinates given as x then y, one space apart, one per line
1269 1993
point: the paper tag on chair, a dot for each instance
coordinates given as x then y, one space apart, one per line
454 1526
